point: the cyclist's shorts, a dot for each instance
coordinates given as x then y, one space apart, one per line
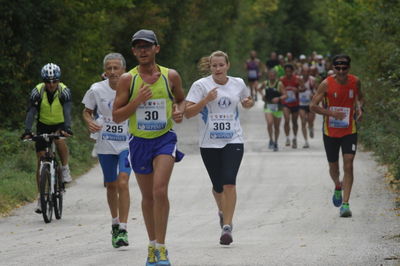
41 128
109 164
143 151
348 144
277 114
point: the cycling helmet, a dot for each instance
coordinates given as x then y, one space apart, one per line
51 72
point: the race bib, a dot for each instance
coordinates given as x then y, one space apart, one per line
252 74
304 98
152 115
291 96
220 126
113 131
273 107
335 123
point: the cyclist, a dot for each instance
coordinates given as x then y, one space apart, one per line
111 144
343 101
152 97
51 102
217 97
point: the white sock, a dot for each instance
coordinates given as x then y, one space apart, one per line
158 245
122 226
152 243
115 220
226 225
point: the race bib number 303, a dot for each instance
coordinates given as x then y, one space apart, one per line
221 126
152 115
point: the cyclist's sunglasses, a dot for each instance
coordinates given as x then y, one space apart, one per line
51 80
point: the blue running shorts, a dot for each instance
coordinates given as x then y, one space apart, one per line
143 151
109 163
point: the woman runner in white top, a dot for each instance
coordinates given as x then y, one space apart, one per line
111 145
216 98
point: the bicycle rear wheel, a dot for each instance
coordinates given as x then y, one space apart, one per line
45 193
58 195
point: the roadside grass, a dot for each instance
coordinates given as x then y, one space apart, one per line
18 165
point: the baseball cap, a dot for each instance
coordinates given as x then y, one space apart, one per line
302 56
145 35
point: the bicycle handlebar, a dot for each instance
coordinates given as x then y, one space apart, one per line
47 137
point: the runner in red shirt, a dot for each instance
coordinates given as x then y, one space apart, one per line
343 101
292 85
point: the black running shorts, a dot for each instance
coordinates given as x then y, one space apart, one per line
222 164
41 128
348 144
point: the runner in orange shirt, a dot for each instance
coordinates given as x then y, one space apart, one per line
343 101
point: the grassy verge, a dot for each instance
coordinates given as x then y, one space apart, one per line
18 165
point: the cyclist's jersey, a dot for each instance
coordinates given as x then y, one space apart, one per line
341 97
50 109
305 96
272 91
291 85
219 120
153 118
113 138
252 70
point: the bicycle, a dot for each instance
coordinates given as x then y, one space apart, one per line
51 185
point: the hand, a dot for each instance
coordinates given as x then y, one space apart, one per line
247 102
94 127
177 115
26 135
66 132
212 95
275 100
144 93
339 115
359 114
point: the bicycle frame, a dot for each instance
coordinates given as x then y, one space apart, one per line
49 159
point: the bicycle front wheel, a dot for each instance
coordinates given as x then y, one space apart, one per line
58 195
46 198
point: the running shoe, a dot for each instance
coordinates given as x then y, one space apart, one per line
151 257
294 143
162 257
306 146
345 210
65 173
114 235
122 238
271 145
221 219
287 142
311 132
337 198
226 235
276 146
38 208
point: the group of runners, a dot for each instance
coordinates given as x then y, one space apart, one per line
287 91
131 116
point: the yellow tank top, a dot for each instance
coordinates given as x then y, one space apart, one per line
154 117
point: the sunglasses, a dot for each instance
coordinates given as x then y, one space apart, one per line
338 68
51 81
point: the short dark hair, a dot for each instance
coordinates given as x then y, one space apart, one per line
341 56
288 66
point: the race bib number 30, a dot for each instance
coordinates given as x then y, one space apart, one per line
221 126
152 115
335 123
